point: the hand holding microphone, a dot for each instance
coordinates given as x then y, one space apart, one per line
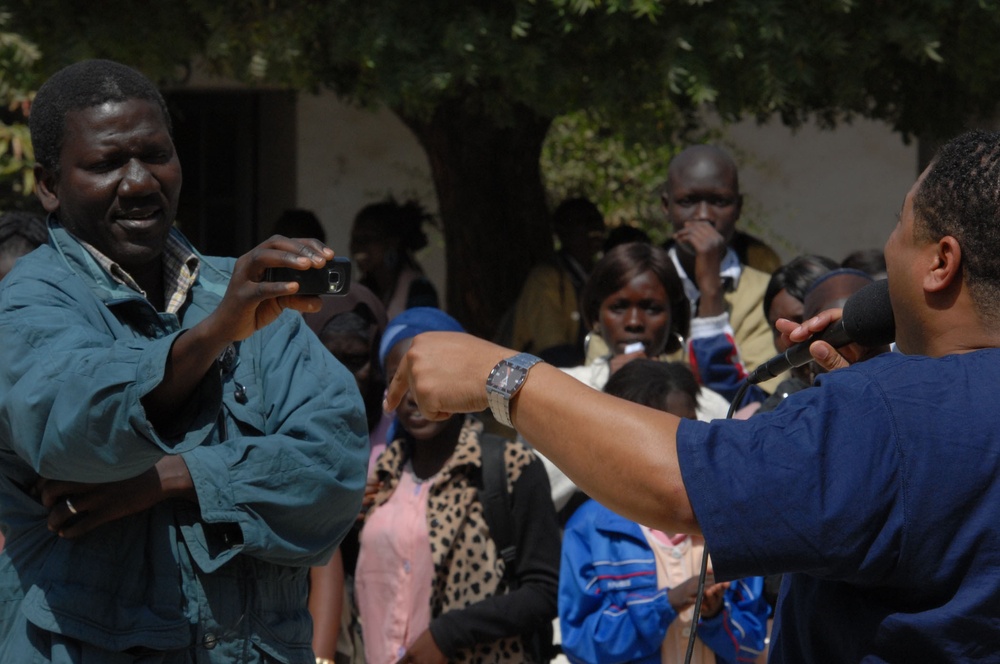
823 354
867 320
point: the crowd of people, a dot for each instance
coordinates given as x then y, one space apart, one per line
201 465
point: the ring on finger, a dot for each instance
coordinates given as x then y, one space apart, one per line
69 506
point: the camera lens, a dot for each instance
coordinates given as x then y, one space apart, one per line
334 279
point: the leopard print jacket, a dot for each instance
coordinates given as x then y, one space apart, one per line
467 565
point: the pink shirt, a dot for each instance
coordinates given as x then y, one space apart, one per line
395 572
678 558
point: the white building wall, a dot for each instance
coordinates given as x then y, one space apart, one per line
826 192
807 190
348 157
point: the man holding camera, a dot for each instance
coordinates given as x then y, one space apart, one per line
178 449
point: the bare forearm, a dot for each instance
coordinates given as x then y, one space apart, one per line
175 478
712 301
619 453
191 357
249 304
77 508
326 587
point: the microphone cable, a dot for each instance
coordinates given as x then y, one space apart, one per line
702 575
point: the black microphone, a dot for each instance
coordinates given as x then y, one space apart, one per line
867 321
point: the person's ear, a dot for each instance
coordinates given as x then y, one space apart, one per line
739 205
945 265
46 188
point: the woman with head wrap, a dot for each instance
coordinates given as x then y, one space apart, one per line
430 579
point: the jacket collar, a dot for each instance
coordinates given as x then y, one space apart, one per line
110 289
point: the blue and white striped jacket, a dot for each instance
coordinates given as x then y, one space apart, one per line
610 609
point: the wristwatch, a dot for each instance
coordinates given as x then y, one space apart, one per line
504 381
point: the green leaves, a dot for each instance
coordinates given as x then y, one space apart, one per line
923 65
832 58
621 172
17 59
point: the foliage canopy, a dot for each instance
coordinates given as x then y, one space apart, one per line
922 65
481 82
17 57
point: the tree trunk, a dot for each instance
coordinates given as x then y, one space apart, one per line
492 205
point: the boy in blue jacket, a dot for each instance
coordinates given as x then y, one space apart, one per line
627 592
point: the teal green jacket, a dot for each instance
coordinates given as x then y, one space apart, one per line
275 440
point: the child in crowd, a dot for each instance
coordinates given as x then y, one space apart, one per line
783 298
627 592
431 583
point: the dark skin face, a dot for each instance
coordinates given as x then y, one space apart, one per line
436 440
368 247
118 183
783 306
790 308
637 312
703 186
702 201
902 253
354 353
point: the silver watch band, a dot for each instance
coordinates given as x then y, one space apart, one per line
499 399
500 407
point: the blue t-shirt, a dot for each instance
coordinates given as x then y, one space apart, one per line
878 491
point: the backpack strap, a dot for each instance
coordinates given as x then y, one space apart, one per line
495 499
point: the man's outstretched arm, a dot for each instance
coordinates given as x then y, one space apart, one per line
622 454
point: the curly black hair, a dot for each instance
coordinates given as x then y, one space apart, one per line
575 213
21 232
648 382
796 276
401 221
83 85
960 196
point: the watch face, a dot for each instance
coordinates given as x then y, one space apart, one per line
506 377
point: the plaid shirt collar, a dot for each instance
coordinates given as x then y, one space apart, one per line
180 270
